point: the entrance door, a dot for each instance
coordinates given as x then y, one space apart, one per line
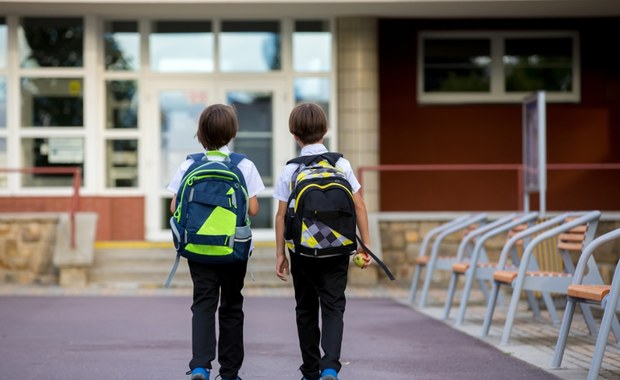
174 112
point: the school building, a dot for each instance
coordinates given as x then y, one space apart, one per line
115 87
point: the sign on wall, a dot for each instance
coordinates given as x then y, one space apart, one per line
534 149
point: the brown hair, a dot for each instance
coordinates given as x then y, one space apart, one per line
308 122
217 126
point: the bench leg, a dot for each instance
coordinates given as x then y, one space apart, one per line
601 341
553 314
488 316
469 280
414 283
451 289
558 354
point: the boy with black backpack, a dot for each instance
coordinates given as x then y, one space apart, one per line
318 210
214 195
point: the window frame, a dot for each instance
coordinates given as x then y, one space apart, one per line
497 93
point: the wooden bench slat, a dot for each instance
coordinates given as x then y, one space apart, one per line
422 260
460 267
570 246
589 292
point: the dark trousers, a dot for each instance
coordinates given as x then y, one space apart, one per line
209 282
319 282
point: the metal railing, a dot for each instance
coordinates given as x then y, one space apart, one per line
517 168
75 197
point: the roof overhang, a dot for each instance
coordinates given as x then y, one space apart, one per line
319 8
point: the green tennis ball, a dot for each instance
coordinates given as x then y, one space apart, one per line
358 260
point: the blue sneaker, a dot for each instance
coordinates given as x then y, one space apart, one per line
329 374
200 373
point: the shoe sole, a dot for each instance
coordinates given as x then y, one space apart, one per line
329 377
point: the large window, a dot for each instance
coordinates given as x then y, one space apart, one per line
51 122
250 46
464 67
181 46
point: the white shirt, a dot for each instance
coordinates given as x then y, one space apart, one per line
282 190
253 180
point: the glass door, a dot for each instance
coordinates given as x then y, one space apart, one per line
262 109
174 109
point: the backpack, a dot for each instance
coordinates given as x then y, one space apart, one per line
320 219
210 223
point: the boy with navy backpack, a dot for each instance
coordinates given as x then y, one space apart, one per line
214 195
319 207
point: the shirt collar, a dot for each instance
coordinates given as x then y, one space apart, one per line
216 155
312 149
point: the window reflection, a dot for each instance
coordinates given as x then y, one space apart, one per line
179 112
181 46
51 42
313 90
255 136
121 104
52 102
122 163
51 152
121 45
538 64
457 65
312 46
250 46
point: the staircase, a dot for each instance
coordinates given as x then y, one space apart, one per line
146 265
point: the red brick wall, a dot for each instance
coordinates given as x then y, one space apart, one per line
585 132
120 218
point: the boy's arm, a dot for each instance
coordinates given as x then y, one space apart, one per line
282 266
362 224
253 206
172 203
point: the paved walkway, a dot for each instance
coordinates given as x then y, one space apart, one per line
54 333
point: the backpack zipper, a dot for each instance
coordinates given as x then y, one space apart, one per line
322 187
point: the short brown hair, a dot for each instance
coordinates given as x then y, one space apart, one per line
308 122
217 126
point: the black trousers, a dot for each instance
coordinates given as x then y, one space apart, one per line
319 283
213 283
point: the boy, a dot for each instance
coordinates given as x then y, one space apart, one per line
317 281
217 126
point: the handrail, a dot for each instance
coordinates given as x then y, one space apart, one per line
483 167
447 167
75 197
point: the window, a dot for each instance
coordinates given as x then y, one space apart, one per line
122 163
122 104
250 46
52 102
312 46
51 42
468 67
177 46
121 45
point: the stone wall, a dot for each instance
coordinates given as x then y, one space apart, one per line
27 244
401 240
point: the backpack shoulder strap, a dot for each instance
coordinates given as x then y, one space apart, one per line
196 156
331 157
236 158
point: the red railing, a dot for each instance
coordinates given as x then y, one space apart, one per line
75 197
518 168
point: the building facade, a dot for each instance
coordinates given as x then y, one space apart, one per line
115 89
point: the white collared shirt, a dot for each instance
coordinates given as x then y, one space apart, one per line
282 188
252 178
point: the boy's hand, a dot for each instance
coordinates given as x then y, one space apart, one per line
282 267
366 257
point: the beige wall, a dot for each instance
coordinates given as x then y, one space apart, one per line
358 103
